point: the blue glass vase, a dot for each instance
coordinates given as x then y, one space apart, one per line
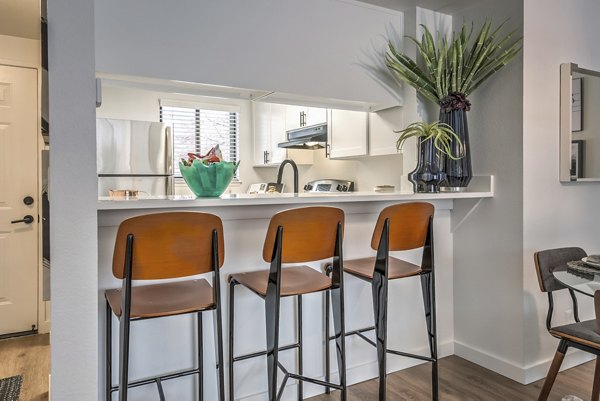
428 175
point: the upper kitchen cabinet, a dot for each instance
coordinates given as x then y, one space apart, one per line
348 133
269 130
304 116
382 138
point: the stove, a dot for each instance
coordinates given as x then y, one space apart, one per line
329 186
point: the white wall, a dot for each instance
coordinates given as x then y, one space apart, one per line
554 214
488 245
73 198
308 47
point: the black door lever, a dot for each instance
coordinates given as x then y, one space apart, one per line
26 219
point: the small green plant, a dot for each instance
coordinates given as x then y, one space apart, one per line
440 133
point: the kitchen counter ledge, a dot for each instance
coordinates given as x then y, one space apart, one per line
183 201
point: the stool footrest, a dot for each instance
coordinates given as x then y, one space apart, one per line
360 334
263 353
157 379
295 376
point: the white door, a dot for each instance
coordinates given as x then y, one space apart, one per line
18 179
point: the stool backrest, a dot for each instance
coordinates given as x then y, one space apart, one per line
309 234
409 223
551 260
169 245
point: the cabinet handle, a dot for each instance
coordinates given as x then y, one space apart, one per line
266 157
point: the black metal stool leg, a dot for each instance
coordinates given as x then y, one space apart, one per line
108 354
300 353
272 302
219 352
337 298
327 335
380 295
428 289
231 331
200 359
123 357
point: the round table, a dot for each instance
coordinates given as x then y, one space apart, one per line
583 285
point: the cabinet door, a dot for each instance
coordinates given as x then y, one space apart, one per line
316 115
261 131
347 131
278 118
382 138
292 116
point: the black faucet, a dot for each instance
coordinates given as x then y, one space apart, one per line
280 173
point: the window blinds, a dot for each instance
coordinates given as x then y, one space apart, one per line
197 129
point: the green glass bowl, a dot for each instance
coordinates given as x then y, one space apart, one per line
208 181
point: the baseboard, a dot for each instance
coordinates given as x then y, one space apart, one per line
573 358
357 373
523 375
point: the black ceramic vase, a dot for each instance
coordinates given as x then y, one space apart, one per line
428 174
458 172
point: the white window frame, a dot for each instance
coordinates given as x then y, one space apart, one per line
206 106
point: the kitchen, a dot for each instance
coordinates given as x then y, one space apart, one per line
462 225
362 153
244 227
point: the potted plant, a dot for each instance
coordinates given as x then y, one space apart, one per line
449 71
436 140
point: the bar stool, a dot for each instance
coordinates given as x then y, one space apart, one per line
295 236
399 227
164 246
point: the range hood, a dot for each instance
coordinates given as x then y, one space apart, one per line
310 138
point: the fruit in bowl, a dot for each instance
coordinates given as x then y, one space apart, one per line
208 175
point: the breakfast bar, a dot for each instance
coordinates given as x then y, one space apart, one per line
245 219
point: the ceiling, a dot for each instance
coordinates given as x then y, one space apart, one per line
446 6
20 18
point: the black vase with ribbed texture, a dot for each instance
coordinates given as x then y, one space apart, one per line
458 172
428 174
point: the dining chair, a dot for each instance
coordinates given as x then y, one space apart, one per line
580 335
157 247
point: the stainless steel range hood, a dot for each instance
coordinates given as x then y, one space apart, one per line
310 138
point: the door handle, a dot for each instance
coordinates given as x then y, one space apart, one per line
26 219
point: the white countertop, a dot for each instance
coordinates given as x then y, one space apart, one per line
183 201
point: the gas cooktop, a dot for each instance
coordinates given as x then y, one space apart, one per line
329 186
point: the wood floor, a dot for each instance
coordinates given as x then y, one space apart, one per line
28 356
461 380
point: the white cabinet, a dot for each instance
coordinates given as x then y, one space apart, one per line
304 116
269 126
348 133
268 130
382 138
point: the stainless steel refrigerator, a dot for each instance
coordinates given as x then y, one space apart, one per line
134 155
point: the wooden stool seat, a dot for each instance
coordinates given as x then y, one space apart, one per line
295 280
165 299
397 268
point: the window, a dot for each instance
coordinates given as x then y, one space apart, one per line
197 128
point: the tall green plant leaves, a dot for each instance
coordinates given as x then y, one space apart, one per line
456 65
